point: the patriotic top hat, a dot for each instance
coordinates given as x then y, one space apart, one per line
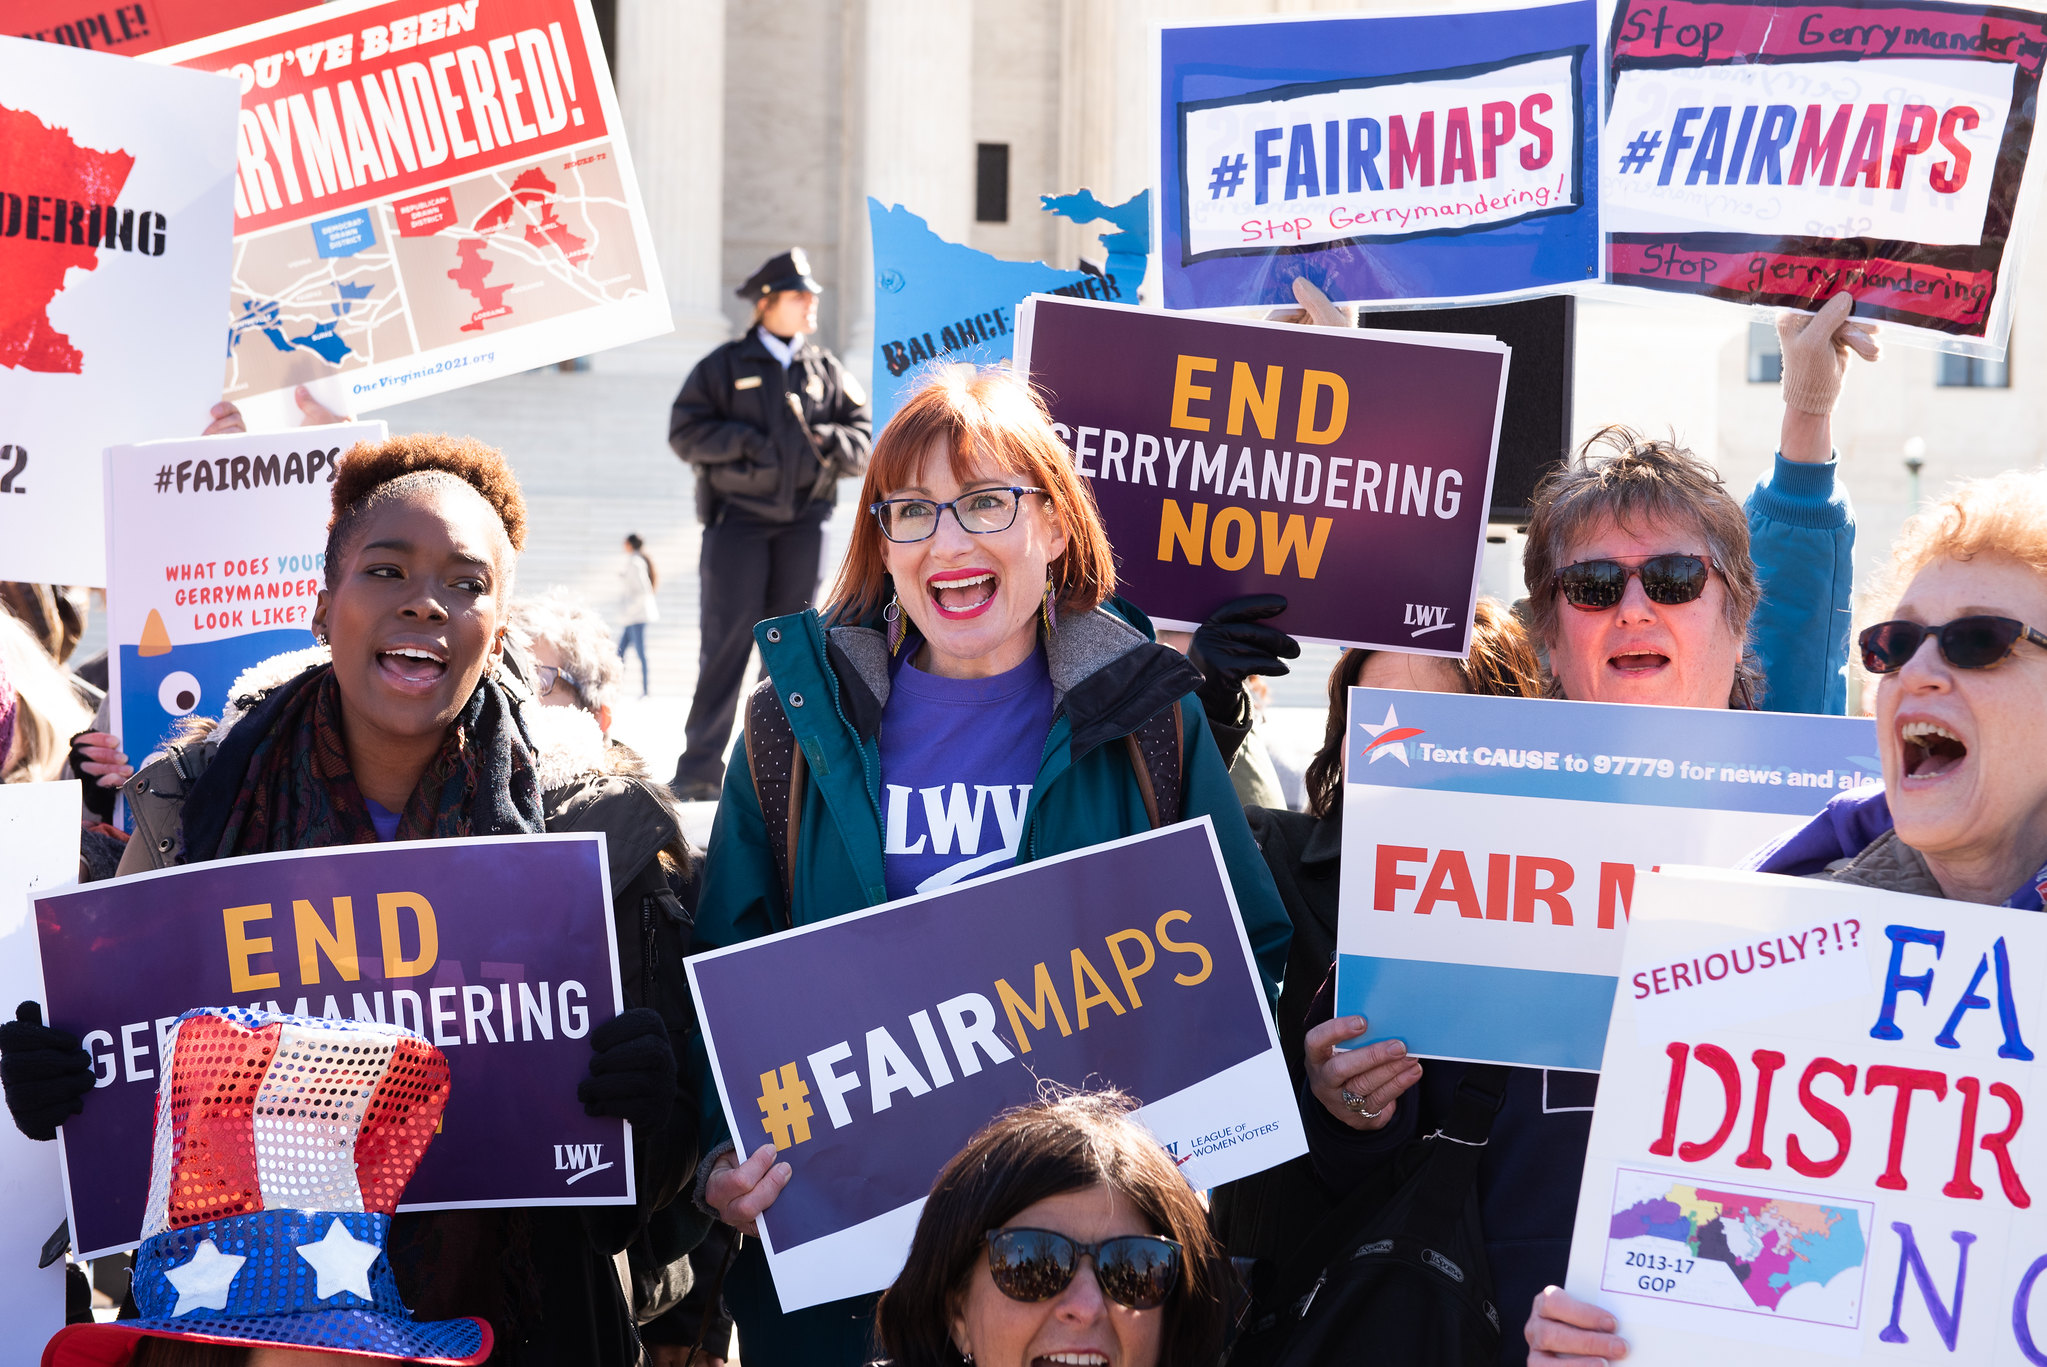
282 1144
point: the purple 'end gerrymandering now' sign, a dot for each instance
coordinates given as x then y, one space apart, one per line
500 951
1349 470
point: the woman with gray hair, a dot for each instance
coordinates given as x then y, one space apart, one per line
570 646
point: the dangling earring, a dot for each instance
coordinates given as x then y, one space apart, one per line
1051 609
893 615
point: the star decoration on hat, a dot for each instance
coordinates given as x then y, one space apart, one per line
203 1280
1389 737
341 1262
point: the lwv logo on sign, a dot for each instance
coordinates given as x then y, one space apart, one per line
1428 618
580 1159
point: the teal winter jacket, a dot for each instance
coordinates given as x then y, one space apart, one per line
1108 678
1802 533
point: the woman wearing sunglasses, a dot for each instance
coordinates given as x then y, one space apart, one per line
966 702
1062 1233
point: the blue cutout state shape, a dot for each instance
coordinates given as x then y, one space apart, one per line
936 300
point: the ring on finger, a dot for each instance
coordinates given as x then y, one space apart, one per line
1357 1104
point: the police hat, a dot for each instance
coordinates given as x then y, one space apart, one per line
789 271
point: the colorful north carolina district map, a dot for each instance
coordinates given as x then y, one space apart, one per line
1736 1250
36 157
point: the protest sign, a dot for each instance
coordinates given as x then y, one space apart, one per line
1230 458
940 301
216 555
1492 847
500 950
904 1027
1382 157
136 26
429 197
116 213
38 850
1777 156
1819 1153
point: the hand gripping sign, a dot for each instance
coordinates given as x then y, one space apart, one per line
1231 458
1438 156
871 1047
1491 848
501 951
1825 1154
1778 155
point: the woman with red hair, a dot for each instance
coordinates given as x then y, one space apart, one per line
971 645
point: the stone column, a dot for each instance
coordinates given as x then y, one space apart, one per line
670 69
919 142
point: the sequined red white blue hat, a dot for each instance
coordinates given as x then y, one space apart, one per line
282 1144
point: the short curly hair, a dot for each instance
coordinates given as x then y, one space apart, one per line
372 472
2002 515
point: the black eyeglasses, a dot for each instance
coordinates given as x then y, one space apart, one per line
981 512
1966 642
1135 1270
550 674
1596 585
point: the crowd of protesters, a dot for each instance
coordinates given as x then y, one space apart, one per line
973 633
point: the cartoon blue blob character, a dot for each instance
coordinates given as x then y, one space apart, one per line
161 682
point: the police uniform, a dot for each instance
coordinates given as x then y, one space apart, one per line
765 484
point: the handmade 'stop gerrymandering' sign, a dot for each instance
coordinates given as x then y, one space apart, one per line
430 196
1809 1138
38 850
116 212
501 951
216 555
1412 157
870 1048
1777 155
1491 845
1348 470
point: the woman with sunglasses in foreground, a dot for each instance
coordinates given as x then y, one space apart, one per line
1062 1232
970 647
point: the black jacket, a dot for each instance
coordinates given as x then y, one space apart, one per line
733 422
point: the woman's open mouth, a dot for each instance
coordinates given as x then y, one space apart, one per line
1636 663
968 595
1930 750
411 669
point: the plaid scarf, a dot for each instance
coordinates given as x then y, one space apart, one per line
281 780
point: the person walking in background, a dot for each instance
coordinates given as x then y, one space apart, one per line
639 579
771 422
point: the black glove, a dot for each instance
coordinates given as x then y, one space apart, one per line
632 1076
45 1073
1234 643
99 800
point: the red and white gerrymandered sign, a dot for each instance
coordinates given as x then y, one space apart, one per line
1778 154
427 196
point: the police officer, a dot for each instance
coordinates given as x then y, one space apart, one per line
772 423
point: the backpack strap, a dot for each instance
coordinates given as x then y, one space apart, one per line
1157 751
780 777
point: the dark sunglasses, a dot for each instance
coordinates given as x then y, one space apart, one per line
1596 585
1966 642
1135 1270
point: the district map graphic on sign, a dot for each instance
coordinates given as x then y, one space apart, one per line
452 264
68 177
1748 1250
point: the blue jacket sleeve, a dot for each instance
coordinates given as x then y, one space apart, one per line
1802 533
1208 792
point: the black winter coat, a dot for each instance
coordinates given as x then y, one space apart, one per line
734 423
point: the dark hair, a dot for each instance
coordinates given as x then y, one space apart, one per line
1065 1143
1630 480
151 1351
1502 664
373 472
653 575
990 418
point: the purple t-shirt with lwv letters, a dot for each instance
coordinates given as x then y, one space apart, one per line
958 758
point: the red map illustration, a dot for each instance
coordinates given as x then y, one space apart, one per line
537 192
38 159
472 268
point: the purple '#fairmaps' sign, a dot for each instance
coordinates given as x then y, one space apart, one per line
500 951
1349 470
